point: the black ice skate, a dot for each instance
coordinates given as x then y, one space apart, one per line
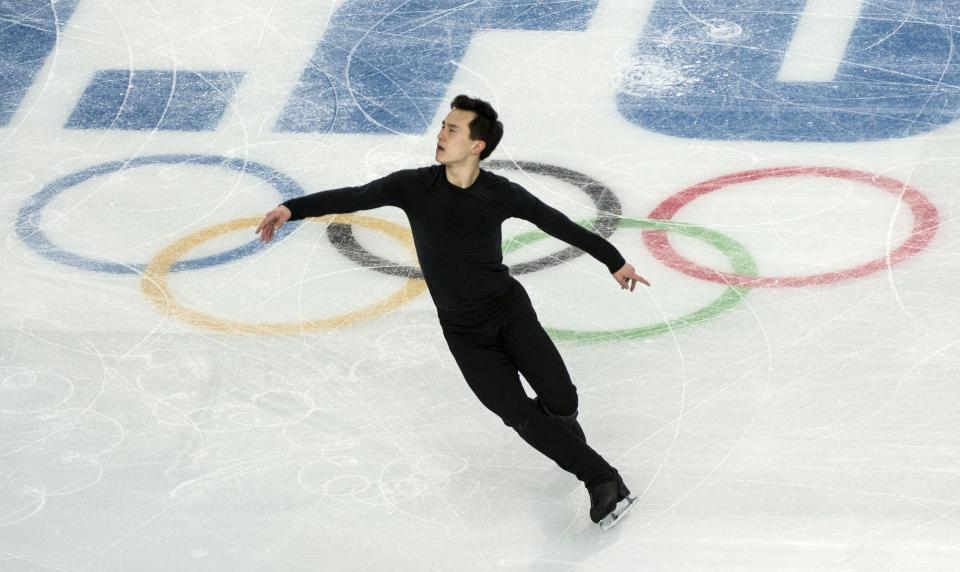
610 501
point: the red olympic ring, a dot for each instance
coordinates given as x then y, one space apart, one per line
926 221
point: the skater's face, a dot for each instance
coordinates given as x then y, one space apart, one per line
454 144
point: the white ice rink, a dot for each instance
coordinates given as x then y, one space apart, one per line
785 396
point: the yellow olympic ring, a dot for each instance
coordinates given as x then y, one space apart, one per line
154 281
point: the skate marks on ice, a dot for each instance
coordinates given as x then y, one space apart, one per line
342 436
55 438
53 444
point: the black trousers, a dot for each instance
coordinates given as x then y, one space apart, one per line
492 351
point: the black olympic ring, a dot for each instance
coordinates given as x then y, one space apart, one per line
605 201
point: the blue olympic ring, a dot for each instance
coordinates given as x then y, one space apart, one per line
28 221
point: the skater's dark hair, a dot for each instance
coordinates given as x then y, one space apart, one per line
484 126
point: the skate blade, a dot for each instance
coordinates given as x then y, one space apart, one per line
614 518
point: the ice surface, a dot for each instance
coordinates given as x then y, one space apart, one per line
794 428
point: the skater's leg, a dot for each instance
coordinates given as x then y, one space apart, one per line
540 362
493 377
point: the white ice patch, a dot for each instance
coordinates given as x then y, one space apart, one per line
723 29
653 75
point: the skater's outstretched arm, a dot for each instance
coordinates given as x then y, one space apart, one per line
379 193
558 225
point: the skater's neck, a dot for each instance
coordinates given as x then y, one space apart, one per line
463 174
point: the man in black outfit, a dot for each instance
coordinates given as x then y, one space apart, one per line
455 211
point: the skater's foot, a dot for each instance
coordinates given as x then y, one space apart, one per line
605 494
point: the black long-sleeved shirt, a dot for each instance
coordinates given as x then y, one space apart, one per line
456 231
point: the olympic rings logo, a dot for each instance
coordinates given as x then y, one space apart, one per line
743 277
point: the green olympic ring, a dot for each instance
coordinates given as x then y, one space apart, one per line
740 260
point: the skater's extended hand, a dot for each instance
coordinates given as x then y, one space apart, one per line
627 277
272 222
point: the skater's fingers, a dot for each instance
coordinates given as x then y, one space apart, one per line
637 278
265 231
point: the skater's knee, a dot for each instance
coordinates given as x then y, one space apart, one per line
519 418
521 426
567 416
568 419
559 404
